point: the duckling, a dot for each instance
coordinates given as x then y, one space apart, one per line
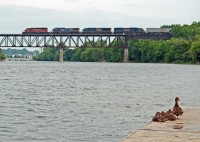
177 110
170 116
164 116
159 117
156 118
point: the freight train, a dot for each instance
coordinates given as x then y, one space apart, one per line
94 31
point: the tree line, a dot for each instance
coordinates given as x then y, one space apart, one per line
82 54
23 52
184 47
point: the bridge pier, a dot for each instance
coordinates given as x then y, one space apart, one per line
61 54
125 60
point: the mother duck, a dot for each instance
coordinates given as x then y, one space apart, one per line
177 110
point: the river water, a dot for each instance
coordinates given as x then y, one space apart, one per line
88 102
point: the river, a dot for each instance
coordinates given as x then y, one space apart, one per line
91 102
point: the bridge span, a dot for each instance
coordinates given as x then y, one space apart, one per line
77 40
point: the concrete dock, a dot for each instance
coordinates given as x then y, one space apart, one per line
165 132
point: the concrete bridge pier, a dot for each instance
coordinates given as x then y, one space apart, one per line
125 60
60 54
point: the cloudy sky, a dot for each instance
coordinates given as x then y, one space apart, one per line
16 15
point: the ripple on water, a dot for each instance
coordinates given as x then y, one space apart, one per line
92 102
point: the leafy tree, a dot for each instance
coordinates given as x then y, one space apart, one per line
177 49
170 51
49 54
68 53
195 49
186 31
88 55
77 54
135 51
2 56
146 51
113 54
159 51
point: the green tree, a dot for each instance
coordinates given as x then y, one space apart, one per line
113 54
77 54
68 53
135 51
49 54
195 50
142 51
146 51
186 31
177 50
2 56
159 50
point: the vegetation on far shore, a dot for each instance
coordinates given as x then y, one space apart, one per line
16 52
2 56
184 47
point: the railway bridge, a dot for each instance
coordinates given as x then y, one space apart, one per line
79 40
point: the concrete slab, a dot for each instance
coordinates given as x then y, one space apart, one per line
165 132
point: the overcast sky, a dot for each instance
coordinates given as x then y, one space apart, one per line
16 15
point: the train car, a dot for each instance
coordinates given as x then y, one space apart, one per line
89 30
158 30
66 30
128 30
72 30
136 30
97 30
58 30
35 31
118 30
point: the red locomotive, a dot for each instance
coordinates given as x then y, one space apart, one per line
35 31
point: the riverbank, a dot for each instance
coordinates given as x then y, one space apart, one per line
165 132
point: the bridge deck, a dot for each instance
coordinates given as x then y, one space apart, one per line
76 40
164 132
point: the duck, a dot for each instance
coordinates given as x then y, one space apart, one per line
170 115
177 110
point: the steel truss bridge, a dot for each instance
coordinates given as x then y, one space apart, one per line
77 40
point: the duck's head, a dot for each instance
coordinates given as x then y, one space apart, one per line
176 99
169 111
157 114
163 113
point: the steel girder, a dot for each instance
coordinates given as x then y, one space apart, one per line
74 40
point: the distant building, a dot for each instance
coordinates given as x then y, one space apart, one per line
29 56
